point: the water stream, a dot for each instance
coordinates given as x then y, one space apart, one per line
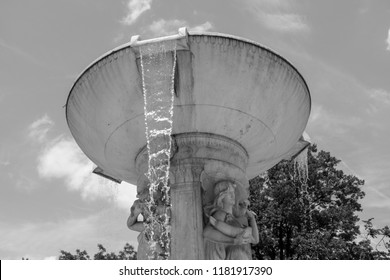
158 62
301 168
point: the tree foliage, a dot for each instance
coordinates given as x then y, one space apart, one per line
317 220
128 253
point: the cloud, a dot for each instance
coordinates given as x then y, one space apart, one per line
325 120
380 96
203 27
38 130
164 27
62 159
5 163
278 15
135 9
388 40
284 22
50 258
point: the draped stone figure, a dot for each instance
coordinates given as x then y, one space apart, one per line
231 226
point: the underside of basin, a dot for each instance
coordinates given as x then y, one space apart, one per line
224 85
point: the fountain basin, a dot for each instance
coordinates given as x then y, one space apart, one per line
224 85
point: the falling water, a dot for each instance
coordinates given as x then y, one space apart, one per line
301 169
158 62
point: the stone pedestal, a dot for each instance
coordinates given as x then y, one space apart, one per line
198 162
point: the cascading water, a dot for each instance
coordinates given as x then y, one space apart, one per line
158 62
301 168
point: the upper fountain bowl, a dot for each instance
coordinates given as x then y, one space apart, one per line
224 85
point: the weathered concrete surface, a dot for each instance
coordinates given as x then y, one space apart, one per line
224 85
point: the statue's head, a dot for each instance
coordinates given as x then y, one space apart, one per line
143 194
241 207
224 193
142 188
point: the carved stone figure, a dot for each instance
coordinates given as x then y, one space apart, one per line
227 236
247 219
139 209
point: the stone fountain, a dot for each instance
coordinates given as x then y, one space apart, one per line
238 109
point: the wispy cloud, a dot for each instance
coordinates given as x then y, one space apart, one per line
379 100
4 156
4 163
388 40
325 120
164 27
39 129
278 15
285 22
135 8
380 96
20 53
203 27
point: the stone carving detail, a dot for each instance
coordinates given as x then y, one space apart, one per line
210 146
231 227
187 171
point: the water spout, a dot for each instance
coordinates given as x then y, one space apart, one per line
158 62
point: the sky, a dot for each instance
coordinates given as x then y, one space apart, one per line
50 200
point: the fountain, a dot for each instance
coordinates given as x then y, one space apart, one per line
206 110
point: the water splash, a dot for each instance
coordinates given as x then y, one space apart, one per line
301 168
158 62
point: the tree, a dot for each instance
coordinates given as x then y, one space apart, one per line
128 253
313 220
383 234
80 255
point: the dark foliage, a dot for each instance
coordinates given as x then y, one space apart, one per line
128 253
317 220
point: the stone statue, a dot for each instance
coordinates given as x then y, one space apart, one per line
140 209
247 219
228 236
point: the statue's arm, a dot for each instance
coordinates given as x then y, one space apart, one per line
223 227
137 226
215 235
253 225
132 222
